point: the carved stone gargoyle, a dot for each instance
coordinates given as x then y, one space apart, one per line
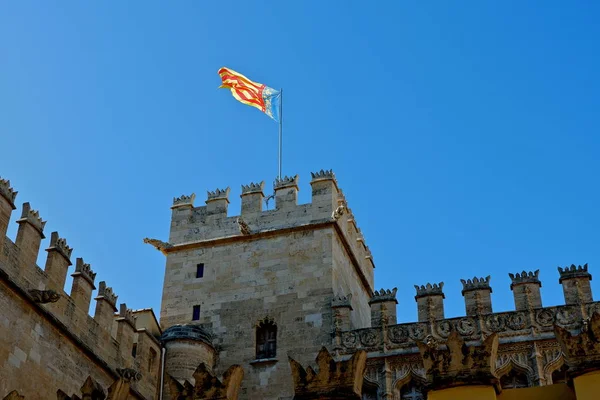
208 386
14 395
158 245
335 380
458 364
44 296
582 351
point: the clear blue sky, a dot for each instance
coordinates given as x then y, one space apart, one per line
465 135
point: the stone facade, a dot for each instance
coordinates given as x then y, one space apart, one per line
279 304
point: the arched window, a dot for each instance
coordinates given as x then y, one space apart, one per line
411 392
560 375
266 339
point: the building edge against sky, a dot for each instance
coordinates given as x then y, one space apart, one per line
243 293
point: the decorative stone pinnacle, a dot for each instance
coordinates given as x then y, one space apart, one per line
106 293
158 245
322 175
207 386
285 182
580 271
476 284
243 226
582 350
384 295
342 301
430 290
59 244
253 188
32 217
218 194
14 395
7 192
84 270
525 277
126 314
184 200
92 390
459 364
339 380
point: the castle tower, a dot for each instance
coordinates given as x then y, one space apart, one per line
262 284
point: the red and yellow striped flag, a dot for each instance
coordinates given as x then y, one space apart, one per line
250 93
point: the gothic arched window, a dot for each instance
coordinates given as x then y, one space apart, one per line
514 380
266 339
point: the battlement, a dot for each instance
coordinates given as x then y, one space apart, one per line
197 226
384 295
46 288
430 290
579 271
476 284
8 193
525 277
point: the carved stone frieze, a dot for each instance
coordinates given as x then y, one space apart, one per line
398 334
443 328
457 364
567 316
466 326
350 340
544 317
333 381
495 322
44 296
581 349
370 337
516 321
417 331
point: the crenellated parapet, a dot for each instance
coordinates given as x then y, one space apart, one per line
430 301
383 307
8 193
575 281
184 201
253 188
32 217
84 271
83 284
60 245
526 289
218 194
477 294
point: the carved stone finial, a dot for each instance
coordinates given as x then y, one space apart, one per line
91 390
322 175
243 226
218 194
85 271
7 192
342 301
44 296
384 295
158 245
476 284
582 351
430 290
459 364
338 212
106 293
184 201
32 217
525 277
59 244
207 386
14 395
126 314
285 182
253 188
579 271
334 380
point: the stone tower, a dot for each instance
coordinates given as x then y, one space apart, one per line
260 285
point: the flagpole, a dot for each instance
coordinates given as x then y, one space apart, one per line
280 126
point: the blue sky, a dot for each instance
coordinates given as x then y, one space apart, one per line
464 135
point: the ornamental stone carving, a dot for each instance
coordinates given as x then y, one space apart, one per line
417 331
398 334
466 326
582 349
333 381
158 244
243 226
443 328
516 321
459 364
369 338
495 322
566 316
349 340
44 296
207 386
544 317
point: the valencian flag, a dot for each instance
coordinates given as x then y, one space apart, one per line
251 93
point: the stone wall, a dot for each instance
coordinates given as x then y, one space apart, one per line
47 338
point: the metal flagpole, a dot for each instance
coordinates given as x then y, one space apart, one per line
280 126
